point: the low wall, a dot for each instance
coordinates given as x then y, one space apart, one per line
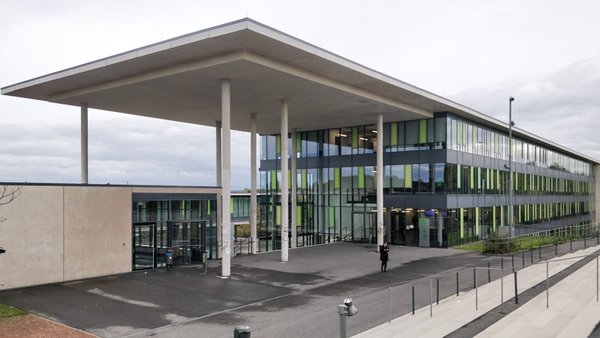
58 233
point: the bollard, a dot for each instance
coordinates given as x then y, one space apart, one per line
531 254
489 273
437 297
523 258
597 236
502 292
584 241
474 278
540 252
516 291
501 263
430 298
555 249
413 299
476 293
547 288
513 261
571 243
390 302
457 283
342 315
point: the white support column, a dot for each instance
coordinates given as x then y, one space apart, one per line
226 176
253 173
294 173
84 143
284 181
219 169
379 180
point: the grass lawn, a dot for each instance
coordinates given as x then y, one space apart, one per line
472 246
9 311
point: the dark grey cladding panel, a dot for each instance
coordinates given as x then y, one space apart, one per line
141 197
425 201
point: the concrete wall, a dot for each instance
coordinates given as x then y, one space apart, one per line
60 233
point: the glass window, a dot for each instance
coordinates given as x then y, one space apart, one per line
440 133
412 135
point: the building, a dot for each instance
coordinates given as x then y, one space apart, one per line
373 158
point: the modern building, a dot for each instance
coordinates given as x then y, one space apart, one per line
365 157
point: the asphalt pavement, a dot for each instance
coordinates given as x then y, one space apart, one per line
296 299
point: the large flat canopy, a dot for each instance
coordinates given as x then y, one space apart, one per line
179 80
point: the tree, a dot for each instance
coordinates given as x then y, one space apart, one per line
7 195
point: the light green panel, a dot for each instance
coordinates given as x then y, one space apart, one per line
208 210
422 131
472 177
501 215
476 221
497 174
278 144
479 184
494 219
337 172
462 223
408 175
361 177
298 215
304 179
394 134
289 179
232 205
273 179
278 214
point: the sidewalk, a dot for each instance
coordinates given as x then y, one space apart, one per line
573 308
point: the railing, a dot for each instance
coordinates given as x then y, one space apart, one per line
242 246
405 298
543 238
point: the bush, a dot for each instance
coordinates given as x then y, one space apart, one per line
496 244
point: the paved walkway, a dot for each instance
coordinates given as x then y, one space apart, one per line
573 308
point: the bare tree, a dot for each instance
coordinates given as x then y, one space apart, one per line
7 195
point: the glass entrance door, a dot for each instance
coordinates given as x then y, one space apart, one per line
144 246
188 240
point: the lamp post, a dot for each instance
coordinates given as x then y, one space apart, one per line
511 226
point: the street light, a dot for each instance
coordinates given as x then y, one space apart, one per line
511 226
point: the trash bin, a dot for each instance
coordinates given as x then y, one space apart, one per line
169 257
241 331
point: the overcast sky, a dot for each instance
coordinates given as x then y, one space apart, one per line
478 53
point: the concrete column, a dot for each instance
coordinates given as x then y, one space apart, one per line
253 173
84 143
219 169
294 173
226 176
284 181
379 180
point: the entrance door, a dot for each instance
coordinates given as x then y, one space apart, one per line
144 246
188 240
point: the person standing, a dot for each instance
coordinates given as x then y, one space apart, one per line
383 255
